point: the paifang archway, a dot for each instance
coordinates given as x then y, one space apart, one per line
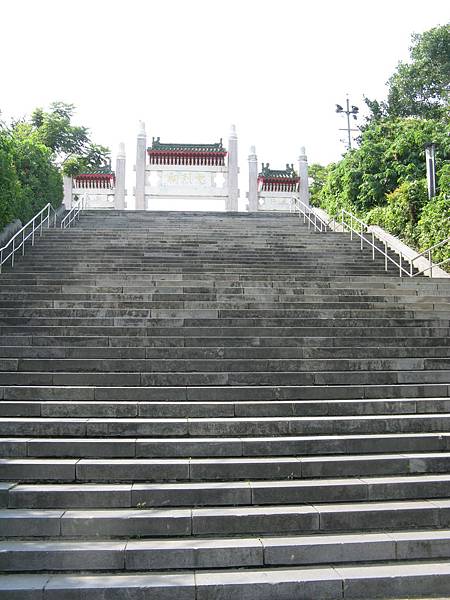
177 171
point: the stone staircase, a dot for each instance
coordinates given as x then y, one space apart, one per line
210 406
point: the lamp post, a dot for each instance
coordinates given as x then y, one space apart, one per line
430 157
350 110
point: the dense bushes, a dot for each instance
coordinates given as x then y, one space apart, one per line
33 156
383 181
28 177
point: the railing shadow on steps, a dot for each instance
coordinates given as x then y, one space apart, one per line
346 222
46 217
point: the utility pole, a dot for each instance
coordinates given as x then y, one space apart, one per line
353 110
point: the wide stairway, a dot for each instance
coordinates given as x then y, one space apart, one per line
210 406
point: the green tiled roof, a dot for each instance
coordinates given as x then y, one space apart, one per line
288 172
158 145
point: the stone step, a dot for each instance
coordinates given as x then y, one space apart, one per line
222 393
221 469
282 344
235 352
213 553
225 521
228 365
86 495
222 427
190 382
168 409
391 579
41 447
224 378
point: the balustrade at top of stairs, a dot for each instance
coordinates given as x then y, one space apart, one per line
204 405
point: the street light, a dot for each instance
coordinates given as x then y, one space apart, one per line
351 110
430 158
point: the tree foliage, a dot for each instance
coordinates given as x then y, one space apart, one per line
71 144
420 88
33 156
384 180
392 151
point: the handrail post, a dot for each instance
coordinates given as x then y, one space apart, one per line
385 257
23 242
373 246
400 263
48 216
431 264
361 236
411 267
13 250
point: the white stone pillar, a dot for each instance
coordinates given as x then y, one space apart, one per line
303 192
233 171
141 151
252 180
119 192
68 192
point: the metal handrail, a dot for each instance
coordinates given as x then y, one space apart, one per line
18 239
362 229
321 225
447 241
428 253
303 209
73 214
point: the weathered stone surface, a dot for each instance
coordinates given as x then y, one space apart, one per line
208 391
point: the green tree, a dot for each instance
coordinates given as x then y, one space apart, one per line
420 88
70 144
317 176
391 152
434 226
10 189
40 179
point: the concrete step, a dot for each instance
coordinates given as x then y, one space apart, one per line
404 579
220 468
222 427
225 521
213 553
82 495
307 345
235 352
196 392
187 409
219 365
111 393
233 378
191 447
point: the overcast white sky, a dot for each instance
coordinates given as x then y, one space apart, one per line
190 68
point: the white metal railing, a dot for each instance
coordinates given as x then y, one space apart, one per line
360 229
428 253
309 215
73 214
347 221
17 242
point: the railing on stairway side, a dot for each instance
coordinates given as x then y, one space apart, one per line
348 222
309 215
428 253
73 214
17 242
